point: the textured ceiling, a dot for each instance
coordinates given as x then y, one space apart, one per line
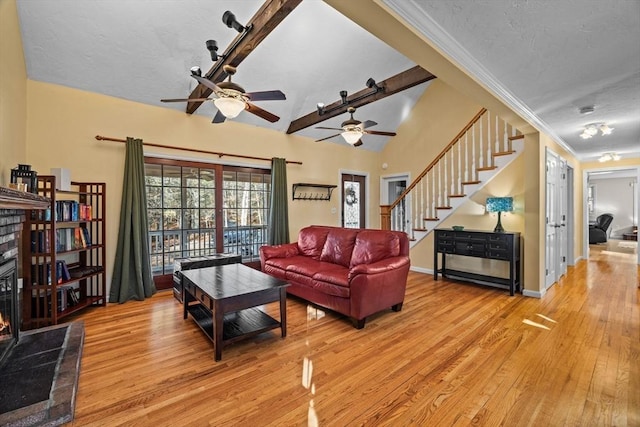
143 50
548 57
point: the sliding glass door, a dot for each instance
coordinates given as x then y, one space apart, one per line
198 209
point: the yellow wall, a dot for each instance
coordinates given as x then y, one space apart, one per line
13 84
435 120
63 122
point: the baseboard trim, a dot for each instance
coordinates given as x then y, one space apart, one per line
421 270
534 294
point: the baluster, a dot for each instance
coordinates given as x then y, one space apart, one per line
481 162
420 221
459 144
445 180
498 149
505 139
466 156
489 158
432 209
453 171
440 182
473 152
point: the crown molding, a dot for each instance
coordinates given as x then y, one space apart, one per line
415 16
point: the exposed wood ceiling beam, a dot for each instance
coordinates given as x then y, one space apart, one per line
404 80
265 20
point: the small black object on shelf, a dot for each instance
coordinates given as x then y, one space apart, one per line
24 175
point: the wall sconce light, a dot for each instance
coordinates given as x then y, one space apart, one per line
499 204
591 130
606 157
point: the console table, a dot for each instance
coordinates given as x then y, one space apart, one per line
479 244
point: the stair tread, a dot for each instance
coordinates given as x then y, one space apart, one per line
471 182
419 229
431 219
503 153
487 168
444 207
457 195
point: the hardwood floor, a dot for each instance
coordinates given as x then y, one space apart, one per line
457 354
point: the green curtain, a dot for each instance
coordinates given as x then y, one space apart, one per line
132 277
279 209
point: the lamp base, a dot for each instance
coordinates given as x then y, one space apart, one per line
498 228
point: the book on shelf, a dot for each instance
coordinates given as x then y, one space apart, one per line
72 238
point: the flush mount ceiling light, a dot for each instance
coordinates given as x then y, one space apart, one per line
591 130
607 157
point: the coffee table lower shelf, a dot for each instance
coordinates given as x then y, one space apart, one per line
237 325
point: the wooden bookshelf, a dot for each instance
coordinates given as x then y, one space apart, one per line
64 254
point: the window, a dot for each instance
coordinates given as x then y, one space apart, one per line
182 201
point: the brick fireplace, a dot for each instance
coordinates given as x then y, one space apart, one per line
13 205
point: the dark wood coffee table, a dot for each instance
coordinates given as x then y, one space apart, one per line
223 301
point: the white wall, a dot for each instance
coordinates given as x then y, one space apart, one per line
615 196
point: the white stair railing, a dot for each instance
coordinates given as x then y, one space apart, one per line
473 150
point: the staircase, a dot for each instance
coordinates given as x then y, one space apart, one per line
483 147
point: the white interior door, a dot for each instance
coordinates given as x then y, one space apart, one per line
557 217
550 220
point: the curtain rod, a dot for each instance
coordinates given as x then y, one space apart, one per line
194 150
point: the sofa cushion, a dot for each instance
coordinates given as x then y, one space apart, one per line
305 265
339 246
374 245
334 274
311 241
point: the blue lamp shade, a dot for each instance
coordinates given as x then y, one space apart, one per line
499 204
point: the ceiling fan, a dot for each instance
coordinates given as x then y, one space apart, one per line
231 98
352 130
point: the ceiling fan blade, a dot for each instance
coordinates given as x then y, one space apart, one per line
358 143
379 132
267 95
368 124
186 99
328 137
323 127
264 114
208 83
219 118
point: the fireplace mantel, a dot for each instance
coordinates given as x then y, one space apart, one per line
15 199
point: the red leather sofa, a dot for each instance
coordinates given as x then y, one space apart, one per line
356 272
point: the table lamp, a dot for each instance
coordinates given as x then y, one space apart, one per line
499 204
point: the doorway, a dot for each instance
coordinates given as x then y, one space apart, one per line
391 187
353 200
613 190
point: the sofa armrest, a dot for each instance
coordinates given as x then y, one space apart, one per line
381 266
279 251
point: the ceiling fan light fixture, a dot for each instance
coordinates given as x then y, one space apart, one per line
230 107
352 135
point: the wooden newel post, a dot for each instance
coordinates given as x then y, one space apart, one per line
385 217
